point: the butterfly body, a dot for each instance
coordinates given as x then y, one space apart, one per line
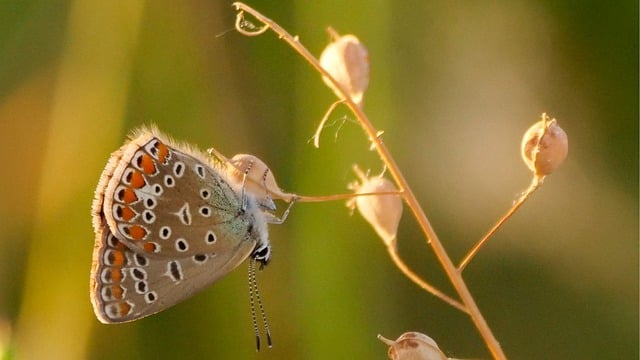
168 223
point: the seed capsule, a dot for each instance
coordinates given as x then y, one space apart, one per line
260 178
383 212
347 60
413 346
544 146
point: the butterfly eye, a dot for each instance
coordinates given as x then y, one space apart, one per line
262 254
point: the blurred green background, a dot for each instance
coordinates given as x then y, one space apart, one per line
454 85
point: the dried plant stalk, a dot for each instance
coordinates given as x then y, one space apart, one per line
432 239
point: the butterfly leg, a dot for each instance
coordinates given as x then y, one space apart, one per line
273 219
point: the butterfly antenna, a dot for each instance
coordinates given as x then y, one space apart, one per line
262 312
269 201
252 281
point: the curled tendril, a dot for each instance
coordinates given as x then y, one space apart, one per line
246 27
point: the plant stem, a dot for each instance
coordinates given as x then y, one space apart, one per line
408 195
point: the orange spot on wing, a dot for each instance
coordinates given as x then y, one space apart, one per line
129 196
137 232
124 308
150 247
148 165
137 180
163 153
116 275
117 291
127 213
117 258
121 246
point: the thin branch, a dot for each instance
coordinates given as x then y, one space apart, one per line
535 184
418 281
347 196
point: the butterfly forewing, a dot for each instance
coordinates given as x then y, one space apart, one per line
167 224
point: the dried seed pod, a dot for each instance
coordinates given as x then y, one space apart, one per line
544 146
347 60
383 212
260 178
413 346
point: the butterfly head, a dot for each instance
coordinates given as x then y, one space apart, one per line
262 254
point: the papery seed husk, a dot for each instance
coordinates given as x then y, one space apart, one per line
347 60
544 146
383 212
413 346
256 182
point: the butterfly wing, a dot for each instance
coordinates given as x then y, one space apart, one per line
167 224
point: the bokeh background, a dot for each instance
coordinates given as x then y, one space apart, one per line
454 85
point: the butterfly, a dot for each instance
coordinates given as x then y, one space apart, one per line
169 221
